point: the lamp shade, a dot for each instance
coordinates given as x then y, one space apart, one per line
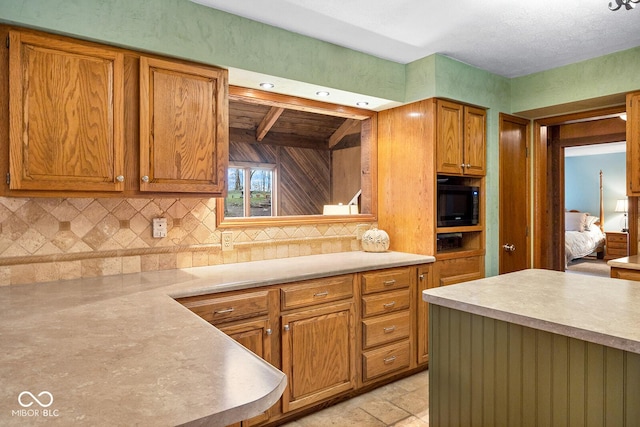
621 205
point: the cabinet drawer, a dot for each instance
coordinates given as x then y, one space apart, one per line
384 329
385 360
386 280
617 245
225 309
317 291
385 302
617 238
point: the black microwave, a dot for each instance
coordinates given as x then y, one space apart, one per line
457 205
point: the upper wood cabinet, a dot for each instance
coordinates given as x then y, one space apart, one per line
461 139
66 115
633 144
184 127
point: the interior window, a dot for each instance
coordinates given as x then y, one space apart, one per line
252 200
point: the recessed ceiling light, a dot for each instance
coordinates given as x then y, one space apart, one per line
362 103
322 93
267 85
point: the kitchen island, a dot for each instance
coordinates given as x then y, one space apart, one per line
120 350
625 268
535 347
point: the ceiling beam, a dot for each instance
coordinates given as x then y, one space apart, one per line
350 126
267 122
283 140
253 96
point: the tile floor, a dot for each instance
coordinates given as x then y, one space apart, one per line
400 404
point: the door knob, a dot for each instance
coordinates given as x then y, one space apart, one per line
508 247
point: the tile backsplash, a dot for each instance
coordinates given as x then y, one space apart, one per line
45 239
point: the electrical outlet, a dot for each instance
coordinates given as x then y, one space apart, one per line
360 229
159 228
227 240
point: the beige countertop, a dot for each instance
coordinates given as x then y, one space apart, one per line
629 262
595 309
119 350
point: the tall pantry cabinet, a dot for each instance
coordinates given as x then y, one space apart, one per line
420 144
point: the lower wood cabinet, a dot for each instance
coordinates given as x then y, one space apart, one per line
318 354
425 281
331 336
255 335
248 317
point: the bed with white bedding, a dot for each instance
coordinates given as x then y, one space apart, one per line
578 244
584 233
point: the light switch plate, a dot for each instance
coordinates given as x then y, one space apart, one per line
159 228
227 240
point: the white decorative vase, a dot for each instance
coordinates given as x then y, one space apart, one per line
375 240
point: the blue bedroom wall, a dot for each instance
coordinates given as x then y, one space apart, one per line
582 183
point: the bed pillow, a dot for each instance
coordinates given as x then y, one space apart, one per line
575 221
590 222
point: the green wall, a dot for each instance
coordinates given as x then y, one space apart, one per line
187 30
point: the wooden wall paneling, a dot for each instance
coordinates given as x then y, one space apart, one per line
252 153
345 174
521 376
632 388
308 181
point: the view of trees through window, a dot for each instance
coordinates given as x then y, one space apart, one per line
259 202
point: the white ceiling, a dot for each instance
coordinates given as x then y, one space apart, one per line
506 37
596 149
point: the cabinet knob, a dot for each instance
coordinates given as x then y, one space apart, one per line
286 328
421 277
145 178
120 178
468 165
269 331
462 166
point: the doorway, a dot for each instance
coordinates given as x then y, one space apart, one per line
551 137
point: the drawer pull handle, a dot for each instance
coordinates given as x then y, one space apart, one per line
389 282
389 304
389 360
225 311
321 294
389 329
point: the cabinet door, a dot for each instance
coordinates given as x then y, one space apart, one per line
256 336
66 115
474 141
318 354
633 144
425 281
184 129
449 154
